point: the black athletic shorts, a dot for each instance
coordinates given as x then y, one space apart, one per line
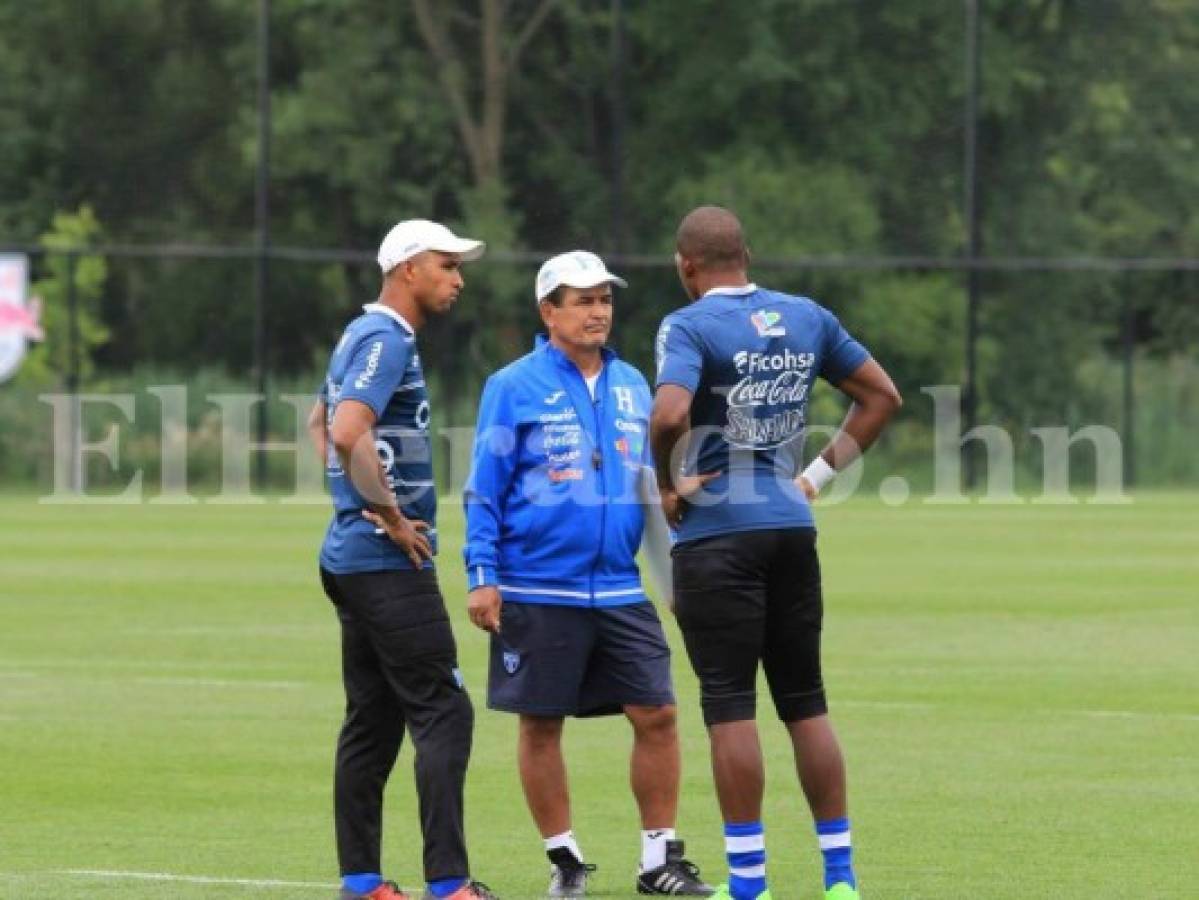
578 661
745 597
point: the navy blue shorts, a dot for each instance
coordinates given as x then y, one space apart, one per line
578 661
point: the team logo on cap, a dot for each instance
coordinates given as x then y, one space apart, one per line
766 321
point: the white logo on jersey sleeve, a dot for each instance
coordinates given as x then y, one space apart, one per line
660 345
363 381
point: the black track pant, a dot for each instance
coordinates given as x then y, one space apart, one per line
400 668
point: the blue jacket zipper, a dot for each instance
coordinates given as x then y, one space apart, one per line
598 457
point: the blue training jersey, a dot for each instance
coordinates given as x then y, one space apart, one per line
749 356
376 363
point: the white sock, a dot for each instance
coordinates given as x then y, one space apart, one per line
565 839
653 847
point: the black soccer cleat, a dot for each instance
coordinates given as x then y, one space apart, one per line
568 874
675 876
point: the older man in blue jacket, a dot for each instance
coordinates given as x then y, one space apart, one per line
553 520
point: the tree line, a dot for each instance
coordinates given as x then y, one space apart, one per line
833 127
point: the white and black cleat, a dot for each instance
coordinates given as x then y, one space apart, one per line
568 874
675 876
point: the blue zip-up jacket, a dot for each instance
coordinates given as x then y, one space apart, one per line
553 511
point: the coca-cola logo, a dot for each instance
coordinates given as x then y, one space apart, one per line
768 405
789 387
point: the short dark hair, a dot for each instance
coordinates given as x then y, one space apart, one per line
555 297
711 237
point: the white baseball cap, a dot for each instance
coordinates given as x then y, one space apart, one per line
413 236
577 269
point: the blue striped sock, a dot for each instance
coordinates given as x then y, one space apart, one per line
837 851
745 846
362 883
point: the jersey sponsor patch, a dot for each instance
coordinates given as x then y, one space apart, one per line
768 405
766 321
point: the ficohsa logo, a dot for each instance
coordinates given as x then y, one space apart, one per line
372 367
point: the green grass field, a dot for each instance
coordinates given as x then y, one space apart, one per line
1016 688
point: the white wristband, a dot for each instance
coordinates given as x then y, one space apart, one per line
819 473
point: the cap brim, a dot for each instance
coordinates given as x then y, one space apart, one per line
467 249
592 280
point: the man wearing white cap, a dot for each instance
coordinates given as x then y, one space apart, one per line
399 659
554 520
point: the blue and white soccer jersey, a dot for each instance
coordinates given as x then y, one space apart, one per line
376 363
746 573
749 357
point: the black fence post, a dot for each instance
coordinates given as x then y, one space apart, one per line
1128 340
262 233
76 424
974 237
616 97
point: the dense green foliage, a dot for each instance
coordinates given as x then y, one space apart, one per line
834 127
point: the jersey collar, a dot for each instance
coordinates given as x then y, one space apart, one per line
391 313
738 291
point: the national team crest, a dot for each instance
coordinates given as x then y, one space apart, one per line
767 323
511 661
